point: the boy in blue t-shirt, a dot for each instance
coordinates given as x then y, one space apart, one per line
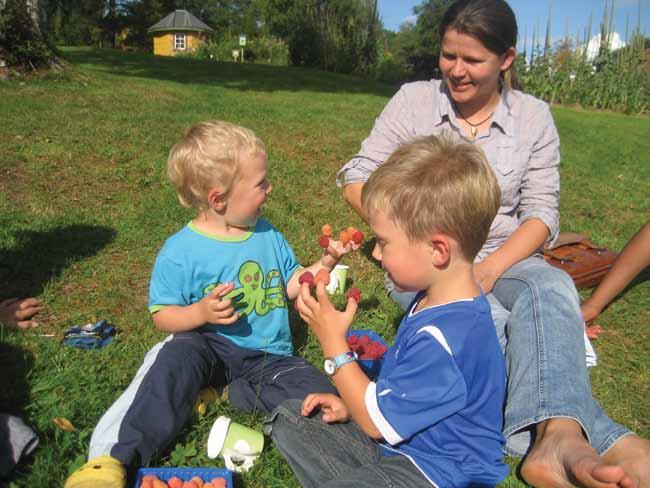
434 415
220 286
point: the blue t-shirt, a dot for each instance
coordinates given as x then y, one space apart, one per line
191 263
439 397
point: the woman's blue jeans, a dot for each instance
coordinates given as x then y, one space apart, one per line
536 312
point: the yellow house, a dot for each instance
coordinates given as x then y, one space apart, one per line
179 32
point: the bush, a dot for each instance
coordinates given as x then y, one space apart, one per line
264 50
391 70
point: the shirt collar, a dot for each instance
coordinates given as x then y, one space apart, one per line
445 109
503 114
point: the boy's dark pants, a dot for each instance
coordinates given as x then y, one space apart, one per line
338 455
159 401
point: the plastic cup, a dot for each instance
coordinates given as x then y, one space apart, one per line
239 445
338 280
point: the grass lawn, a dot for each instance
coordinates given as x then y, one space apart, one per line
85 206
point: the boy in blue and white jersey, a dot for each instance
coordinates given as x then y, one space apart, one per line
220 287
434 415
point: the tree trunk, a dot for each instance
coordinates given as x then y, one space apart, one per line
23 43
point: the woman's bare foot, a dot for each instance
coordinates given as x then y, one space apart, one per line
632 453
562 457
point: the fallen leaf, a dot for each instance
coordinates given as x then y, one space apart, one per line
64 424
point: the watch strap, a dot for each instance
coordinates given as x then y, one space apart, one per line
345 358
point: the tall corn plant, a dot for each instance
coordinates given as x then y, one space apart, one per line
612 80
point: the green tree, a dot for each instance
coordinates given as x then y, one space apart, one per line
424 50
23 38
334 35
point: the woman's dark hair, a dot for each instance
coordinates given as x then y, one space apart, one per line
490 21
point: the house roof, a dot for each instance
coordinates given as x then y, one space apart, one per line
180 20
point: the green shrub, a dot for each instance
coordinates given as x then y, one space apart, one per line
263 50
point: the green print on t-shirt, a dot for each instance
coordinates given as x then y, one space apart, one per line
252 295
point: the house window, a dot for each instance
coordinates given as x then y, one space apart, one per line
179 42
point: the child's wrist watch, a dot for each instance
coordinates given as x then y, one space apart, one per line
331 365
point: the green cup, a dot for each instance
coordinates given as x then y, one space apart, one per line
239 445
338 280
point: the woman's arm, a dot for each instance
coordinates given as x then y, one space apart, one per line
352 195
634 257
538 209
394 126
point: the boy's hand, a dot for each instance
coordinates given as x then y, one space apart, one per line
333 408
335 251
328 324
215 309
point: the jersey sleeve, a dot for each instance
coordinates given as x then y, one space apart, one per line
424 387
166 287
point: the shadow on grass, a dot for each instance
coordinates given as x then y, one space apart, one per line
244 77
15 365
40 256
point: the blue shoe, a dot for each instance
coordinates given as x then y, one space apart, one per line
90 336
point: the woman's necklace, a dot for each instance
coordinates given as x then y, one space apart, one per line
473 128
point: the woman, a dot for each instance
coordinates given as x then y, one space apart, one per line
550 415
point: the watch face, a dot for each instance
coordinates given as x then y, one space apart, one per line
329 366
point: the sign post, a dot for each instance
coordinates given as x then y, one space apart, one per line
242 44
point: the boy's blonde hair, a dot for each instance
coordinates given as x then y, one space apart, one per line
209 154
434 184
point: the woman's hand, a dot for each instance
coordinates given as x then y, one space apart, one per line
589 311
589 314
333 408
486 274
16 312
328 324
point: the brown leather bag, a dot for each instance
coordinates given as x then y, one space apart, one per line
585 262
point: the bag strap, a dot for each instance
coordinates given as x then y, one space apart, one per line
566 238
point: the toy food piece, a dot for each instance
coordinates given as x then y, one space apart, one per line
324 241
322 277
326 230
354 293
158 484
357 237
147 482
306 277
190 484
175 482
217 483
344 237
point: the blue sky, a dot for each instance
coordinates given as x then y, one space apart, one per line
571 14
